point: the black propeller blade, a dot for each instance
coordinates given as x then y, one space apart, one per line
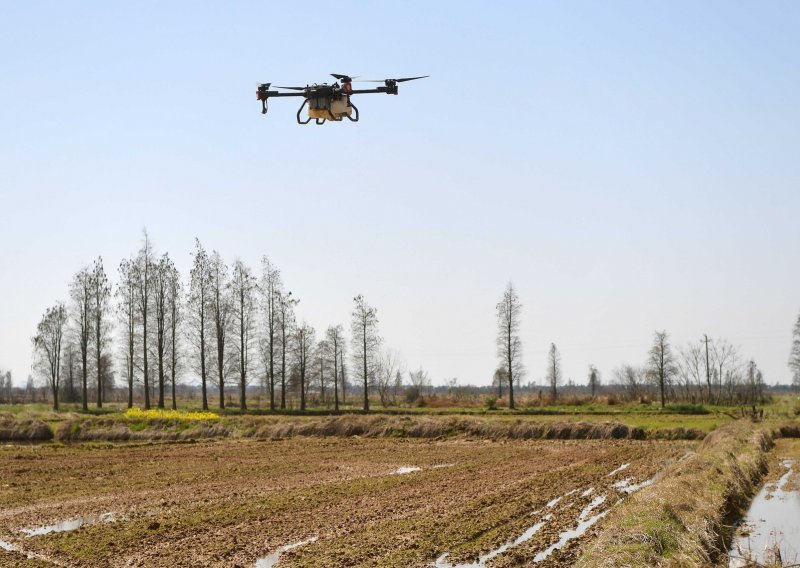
344 78
291 88
393 80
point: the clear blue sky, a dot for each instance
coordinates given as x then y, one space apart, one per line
631 166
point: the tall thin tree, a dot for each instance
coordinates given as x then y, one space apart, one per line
163 273
128 317
303 353
221 319
594 379
509 345
243 302
198 313
144 268
285 324
81 293
100 299
661 364
335 342
271 289
174 306
48 346
364 326
554 374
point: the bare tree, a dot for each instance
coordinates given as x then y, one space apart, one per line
594 379
198 313
420 383
661 366
335 344
47 346
100 302
631 377
364 326
726 361
175 316
69 370
81 294
285 323
303 352
554 374
128 316
794 356
143 269
221 318
243 302
321 368
708 367
271 289
388 368
509 345
691 367
164 273
499 378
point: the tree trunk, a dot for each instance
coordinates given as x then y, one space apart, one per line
366 376
335 380
283 366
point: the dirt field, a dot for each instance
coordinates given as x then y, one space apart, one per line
231 502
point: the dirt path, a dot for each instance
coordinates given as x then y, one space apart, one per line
230 502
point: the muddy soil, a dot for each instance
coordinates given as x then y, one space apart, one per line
231 502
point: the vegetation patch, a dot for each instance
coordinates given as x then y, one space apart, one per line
141 426
32 430
685 518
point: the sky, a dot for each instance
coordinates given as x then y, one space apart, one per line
629 166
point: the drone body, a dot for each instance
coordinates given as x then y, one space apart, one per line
328 102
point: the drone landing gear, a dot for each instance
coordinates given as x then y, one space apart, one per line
302 106
355 108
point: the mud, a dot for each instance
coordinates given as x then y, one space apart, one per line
232 502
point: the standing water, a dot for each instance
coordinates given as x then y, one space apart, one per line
770 532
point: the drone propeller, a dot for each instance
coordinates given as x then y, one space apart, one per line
393 80
344 78
291 88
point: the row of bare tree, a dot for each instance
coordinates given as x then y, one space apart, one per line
224 325
708 371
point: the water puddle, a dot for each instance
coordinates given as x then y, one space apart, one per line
72 524
585 520
770 532
596 502
441 465
566 536
271 560
8 547
636 486
481 562
405 469
623 467
554 502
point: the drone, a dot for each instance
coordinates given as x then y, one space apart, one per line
329 102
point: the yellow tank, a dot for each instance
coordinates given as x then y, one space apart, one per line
339 109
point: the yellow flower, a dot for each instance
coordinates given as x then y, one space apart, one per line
161 414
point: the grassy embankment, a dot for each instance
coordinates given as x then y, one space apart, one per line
686 518
596 421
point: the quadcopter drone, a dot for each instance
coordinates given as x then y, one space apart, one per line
329 102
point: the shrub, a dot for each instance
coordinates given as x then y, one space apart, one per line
490 402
